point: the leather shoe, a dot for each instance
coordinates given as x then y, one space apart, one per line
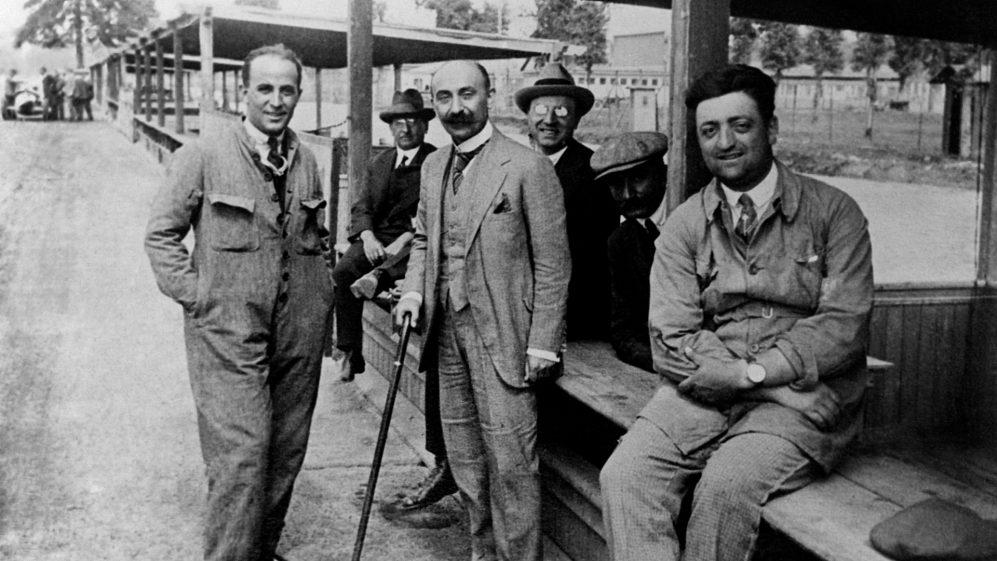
438 484
365 286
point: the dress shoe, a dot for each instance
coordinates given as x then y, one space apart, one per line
366 286
342 366
438 484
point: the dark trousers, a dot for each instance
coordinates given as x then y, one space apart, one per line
349 308
254 402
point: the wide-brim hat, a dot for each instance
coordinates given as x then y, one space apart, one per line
406 104
554 79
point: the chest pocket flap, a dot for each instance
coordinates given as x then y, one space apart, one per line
232 226
313 232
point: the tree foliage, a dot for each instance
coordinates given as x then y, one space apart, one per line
743 35
269 4
461 14
871 51
576 23
912 55
55 24
780 47
822 50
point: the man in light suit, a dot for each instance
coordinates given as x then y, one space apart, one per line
488 278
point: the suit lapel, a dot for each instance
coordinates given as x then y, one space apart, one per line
485 180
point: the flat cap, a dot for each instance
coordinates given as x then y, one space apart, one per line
626 151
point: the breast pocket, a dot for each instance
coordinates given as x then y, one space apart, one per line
233 227
313 232
808 269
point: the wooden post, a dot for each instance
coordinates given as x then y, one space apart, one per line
160 85
318 98
206 37
360 59
987 262
224 90
699 43
147 73
137 67
398 77
178 97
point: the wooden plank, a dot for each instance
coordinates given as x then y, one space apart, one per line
612 388
206 42
178 97
905 483
579 541
972 464
926 373
831 518
160 85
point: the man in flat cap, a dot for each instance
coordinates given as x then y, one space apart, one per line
761 289
380 232
553 106
631 168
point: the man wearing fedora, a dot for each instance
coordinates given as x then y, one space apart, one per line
381 224
554 105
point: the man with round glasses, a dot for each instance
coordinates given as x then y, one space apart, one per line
553 106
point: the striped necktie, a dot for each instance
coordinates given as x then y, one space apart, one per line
748 216
460 162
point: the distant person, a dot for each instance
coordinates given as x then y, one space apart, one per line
80 98
761 290
554 105
631 168
49 84
381 227
257 298
488 281
63 88
9 92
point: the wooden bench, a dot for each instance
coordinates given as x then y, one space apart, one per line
829 519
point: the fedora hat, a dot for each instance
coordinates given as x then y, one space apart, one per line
555 80
406 104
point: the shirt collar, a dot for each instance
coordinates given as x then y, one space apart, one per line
557 155
781 187
760 194
410 154
259 137
477 140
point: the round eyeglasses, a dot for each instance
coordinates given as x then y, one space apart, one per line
559 110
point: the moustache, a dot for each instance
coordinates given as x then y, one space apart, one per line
459 119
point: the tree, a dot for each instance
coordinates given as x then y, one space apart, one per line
55 24
743 34
871 51
822 51
780 48
912 55
576 23
269 4
461 14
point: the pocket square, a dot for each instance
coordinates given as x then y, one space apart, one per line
503 206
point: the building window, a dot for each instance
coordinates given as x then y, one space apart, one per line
612 80
623 81
643 82
602 81
654 81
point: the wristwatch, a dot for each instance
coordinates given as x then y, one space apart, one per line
756 373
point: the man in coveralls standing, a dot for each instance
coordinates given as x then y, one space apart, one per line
257 297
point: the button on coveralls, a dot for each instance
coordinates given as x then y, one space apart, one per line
257 299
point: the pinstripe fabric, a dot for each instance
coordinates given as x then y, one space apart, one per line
644 482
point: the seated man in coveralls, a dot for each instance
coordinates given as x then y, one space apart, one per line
630 167
381 224
761 289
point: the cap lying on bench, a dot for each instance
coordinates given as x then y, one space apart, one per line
936 529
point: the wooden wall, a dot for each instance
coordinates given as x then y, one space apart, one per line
924 331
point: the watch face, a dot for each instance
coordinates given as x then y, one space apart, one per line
756 374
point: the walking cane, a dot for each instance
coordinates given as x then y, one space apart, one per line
382 436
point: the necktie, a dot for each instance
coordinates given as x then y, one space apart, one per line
460 161
652 230
748 216
274 157
403 163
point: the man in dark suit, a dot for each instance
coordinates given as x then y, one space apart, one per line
381 224
631 169
488 277
554 105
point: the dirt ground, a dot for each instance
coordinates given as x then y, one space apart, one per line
99 458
